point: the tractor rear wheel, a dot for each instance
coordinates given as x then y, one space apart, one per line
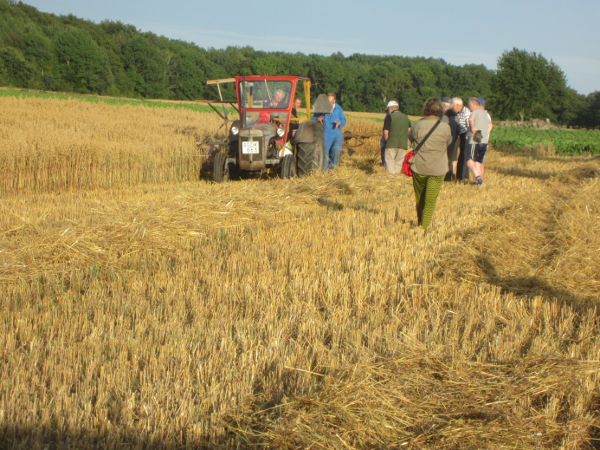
220 168
288 167
310 154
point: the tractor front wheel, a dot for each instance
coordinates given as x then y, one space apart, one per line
288 167
220 168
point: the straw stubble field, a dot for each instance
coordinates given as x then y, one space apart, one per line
143 307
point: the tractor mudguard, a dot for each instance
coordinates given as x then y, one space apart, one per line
322 105
306 132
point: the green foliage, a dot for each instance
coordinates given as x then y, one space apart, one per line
45 51
76 55
586 110
146 67
80 61
528 86
574 107
593 109
14 68
186 77
565 142
38 49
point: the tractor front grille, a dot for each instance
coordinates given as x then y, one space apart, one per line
252 149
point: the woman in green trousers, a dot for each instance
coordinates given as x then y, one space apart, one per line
430 163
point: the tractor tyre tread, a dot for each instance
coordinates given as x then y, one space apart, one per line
310 154
288 166
220 168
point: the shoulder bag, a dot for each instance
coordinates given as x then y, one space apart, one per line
406 168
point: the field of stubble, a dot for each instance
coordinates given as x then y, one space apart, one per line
144 307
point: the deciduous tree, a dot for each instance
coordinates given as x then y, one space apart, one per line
146 67
80 61
527 85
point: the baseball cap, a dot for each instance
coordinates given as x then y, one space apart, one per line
447 100
481 101
392 103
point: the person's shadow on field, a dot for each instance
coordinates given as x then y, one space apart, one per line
526 286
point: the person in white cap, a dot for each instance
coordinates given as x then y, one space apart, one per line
395 134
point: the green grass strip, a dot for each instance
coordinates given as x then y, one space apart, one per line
201 108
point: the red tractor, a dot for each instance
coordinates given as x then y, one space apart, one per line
263 139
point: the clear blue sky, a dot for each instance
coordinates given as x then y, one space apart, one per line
460 32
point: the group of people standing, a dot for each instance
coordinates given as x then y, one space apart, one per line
447 127
451 140
475 126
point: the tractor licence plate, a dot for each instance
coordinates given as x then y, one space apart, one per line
250 148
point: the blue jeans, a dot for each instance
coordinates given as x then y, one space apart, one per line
333 150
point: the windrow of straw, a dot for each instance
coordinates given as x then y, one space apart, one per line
304 313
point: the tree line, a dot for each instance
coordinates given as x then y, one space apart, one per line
65 53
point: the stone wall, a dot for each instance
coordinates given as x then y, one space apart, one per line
537 124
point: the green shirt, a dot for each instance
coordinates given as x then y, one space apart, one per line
397 124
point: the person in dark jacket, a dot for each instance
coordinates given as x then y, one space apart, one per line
451 118
460 167
297 105
382 141
395 134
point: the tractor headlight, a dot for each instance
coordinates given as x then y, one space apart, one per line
235 131
280 132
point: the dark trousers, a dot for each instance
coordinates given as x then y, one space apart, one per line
462 170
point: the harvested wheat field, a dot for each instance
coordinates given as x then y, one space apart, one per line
143 306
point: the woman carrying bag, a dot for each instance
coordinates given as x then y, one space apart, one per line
429 165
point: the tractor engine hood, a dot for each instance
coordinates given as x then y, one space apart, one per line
268 130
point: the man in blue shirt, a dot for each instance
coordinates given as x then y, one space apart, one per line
333 134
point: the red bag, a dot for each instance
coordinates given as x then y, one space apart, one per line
406 165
